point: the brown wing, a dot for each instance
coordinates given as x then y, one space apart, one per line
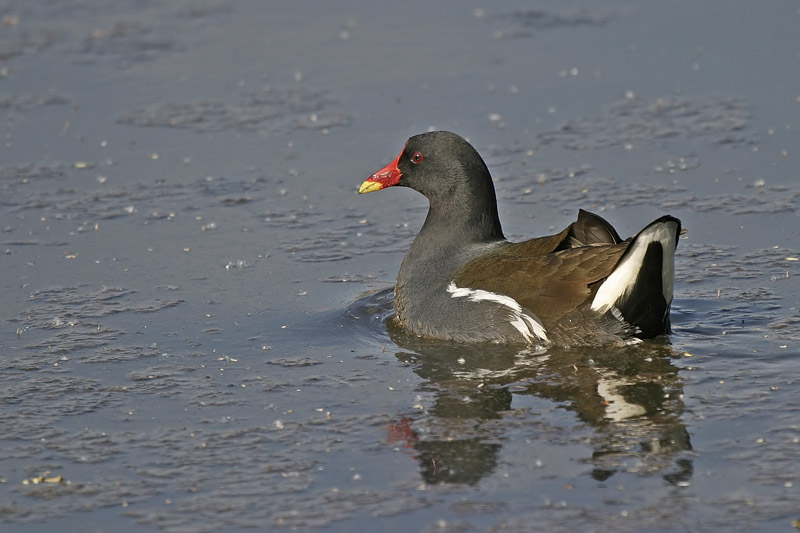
588 230
548 284
540 245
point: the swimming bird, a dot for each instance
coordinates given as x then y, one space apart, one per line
462 281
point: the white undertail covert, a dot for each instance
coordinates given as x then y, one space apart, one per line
621 282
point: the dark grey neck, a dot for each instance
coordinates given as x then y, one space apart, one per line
445 229
446 241
442 247
463 215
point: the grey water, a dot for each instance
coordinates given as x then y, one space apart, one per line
194 296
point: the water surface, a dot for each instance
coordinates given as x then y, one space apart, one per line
194 296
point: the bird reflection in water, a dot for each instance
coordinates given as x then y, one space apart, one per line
631 396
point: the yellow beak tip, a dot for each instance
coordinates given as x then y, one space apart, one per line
369 186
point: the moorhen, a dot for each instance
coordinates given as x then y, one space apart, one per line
462 281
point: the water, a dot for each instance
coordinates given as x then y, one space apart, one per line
194 296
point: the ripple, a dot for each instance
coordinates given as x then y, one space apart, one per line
636 122
272 109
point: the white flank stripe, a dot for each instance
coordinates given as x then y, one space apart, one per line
527 325
620 283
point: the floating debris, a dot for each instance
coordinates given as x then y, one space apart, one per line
45 478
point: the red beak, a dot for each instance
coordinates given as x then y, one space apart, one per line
386 177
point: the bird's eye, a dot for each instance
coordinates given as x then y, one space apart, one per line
416 158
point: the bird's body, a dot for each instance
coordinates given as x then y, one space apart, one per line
462 281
